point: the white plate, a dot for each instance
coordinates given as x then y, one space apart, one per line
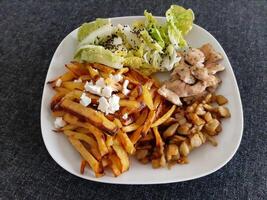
203 161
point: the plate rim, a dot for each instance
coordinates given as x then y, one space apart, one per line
152 182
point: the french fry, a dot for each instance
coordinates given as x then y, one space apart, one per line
55 100
148 122
98 134
121 153
129 103
126 142
131 80
147 97
169 121
105 75
62 90
159 141
83 165
157 101
72 85
109 143
117 122
149 137
137 134
141 119
136 92
138 76
94 164
69 127
115 164
89 140
93 73
76 94
164 117
65 77
85 78
77 68
97 118
102 68
58 113
122 70
128 121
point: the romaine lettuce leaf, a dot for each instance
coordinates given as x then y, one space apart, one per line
130 37
181 18
86 28
170 58
139 64
151 43
98 54
99 34
152 25
175 36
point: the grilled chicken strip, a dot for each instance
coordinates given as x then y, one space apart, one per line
194 75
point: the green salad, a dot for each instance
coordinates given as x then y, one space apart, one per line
148 46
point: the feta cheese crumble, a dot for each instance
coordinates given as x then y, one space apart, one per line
100 82
110 105
94 89
85 100
114 103
59 82
116 78
107 91
77 80
125 116
103 105
59 122
125 90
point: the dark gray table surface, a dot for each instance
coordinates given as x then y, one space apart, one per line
30 31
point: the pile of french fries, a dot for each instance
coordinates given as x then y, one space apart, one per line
155 130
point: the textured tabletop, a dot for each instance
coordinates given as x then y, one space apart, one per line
30 31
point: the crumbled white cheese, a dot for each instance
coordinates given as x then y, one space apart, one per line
125 116
125 90
85 100
58 83
77 80
95 70
110 105
107 91
59 122
100 82
117 41
116 78
114 103
94 89
103 105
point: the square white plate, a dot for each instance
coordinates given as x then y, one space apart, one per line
202 161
